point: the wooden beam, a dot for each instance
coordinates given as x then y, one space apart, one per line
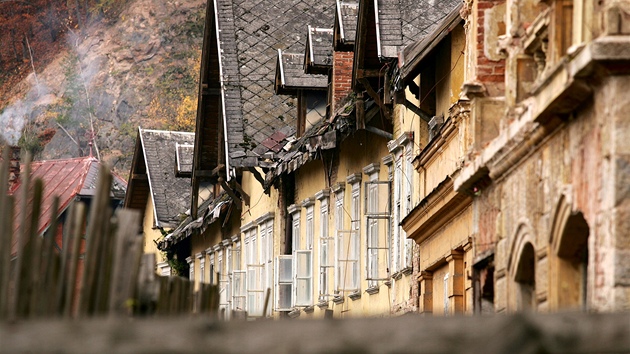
424 115
257 175
375 96
210 173
363 73
139 177
230 192
238 187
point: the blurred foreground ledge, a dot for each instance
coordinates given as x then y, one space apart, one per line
523 333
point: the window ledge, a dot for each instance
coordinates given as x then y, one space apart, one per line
355 295
407 270
309 309
295 313
338 299
397 275
388 283
372 290
323 304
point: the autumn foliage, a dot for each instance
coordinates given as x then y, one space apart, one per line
36 29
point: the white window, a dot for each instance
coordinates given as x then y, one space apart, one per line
377 197
191 269
408 193
310 227
347 261
238 279
326 253
398 231
284 281
224 285
211 269
266 246
202 267
303 278
446 294
254 273
295 228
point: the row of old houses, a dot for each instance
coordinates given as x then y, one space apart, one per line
379 157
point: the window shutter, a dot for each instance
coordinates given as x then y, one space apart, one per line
255 291
347 260
303 278
377 211
238 290
284 283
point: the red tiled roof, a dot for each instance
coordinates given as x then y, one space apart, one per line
65 178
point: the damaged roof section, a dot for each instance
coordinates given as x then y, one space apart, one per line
290 76
318 58
209 212
345 26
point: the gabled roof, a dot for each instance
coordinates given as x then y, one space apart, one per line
385 27
318 58
414 53
155 161
66 179
345 26
238 61
290 75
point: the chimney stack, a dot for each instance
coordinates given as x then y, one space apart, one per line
14 165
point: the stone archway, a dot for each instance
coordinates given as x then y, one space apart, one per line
522 270
569 259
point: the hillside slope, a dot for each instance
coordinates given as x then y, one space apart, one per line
106 80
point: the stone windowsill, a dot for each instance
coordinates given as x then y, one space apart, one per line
309 309
322 304
355 295
372 290
338 299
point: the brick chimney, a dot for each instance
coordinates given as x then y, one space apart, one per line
341 76
14 165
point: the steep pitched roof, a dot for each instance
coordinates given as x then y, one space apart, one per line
345 27
385 27
171 195
66 179
250 33
319 50
290 75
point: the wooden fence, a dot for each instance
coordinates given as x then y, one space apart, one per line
100 269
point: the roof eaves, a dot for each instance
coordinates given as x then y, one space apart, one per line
146 166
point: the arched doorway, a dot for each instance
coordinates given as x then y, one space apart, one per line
525 279
572 264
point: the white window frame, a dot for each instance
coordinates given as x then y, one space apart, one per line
377 211
446 303
284 282
347 260
339 227
310 226
191 269
202 267
303 284
326 251
266 246
407 261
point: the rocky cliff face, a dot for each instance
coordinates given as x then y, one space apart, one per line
140 70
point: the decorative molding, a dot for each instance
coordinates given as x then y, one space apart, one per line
324 193
189 260
338 299
217 247
388 160
200 255
293 208
308 202
250 225
323 304
267 216
354 178
338 187
372 168
236 238
309 309
226 242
